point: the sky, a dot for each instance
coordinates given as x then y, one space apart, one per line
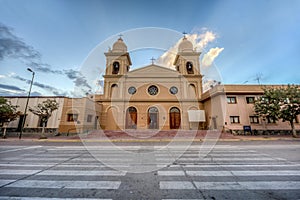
242 42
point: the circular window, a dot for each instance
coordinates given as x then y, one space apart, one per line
153 90
132 90
173 90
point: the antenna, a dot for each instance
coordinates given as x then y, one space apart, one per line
258 78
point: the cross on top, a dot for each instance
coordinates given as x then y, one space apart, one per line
152 60
120 35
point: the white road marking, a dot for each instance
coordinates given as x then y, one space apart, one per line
221 159
249 185
4 182
20 149
18 172
176 185
45 198
66 184
231 173
82 173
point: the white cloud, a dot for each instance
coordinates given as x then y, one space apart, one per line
210 56
2 76
199 41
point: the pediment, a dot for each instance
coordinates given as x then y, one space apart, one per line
153 71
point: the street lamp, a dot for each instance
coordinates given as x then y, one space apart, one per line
23 121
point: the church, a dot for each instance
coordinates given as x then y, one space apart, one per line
152 97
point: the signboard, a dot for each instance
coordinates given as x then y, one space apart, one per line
196 115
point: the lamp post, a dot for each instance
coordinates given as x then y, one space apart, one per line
24 118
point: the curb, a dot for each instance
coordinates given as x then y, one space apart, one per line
151 140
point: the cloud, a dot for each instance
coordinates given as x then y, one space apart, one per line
210 56
14 47
77 77
199 40
49 88
11 88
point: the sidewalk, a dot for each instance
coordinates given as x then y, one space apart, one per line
148 136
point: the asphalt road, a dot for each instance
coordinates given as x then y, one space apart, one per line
227 170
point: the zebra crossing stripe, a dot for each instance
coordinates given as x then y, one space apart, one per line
231 173
4 182
17 172
19 149
176 185
82 173
45 198
249 185
66 184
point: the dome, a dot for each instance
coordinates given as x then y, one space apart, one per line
119 46
185 45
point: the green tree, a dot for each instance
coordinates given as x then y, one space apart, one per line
44 111
8 113
280 103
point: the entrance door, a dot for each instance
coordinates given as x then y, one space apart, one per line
131 118
175 118
153 118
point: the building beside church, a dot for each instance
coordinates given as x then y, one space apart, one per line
152 97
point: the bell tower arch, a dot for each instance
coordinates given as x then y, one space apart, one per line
187 64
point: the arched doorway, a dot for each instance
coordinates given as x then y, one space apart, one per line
175 118
153 118
131 118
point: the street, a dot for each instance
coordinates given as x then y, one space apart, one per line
150 170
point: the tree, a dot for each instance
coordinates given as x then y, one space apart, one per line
8 113
44 111
280 103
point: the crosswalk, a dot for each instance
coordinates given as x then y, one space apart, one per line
73 172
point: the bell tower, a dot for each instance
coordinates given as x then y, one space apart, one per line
118 61
187 64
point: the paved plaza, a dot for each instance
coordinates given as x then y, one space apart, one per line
149 170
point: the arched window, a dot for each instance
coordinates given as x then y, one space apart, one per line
116 67
175 118
189 68
192 91
114 90
131 118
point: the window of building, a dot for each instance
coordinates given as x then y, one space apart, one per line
271 120
189 68
89 118
254 120
231 100
116 68
72 117
131 90
250 100
296 120
153 90
234 119
173 90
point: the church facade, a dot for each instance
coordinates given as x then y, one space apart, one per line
152 97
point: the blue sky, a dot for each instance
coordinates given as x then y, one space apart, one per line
261 38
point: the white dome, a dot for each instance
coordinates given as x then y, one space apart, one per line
119 46
185 45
